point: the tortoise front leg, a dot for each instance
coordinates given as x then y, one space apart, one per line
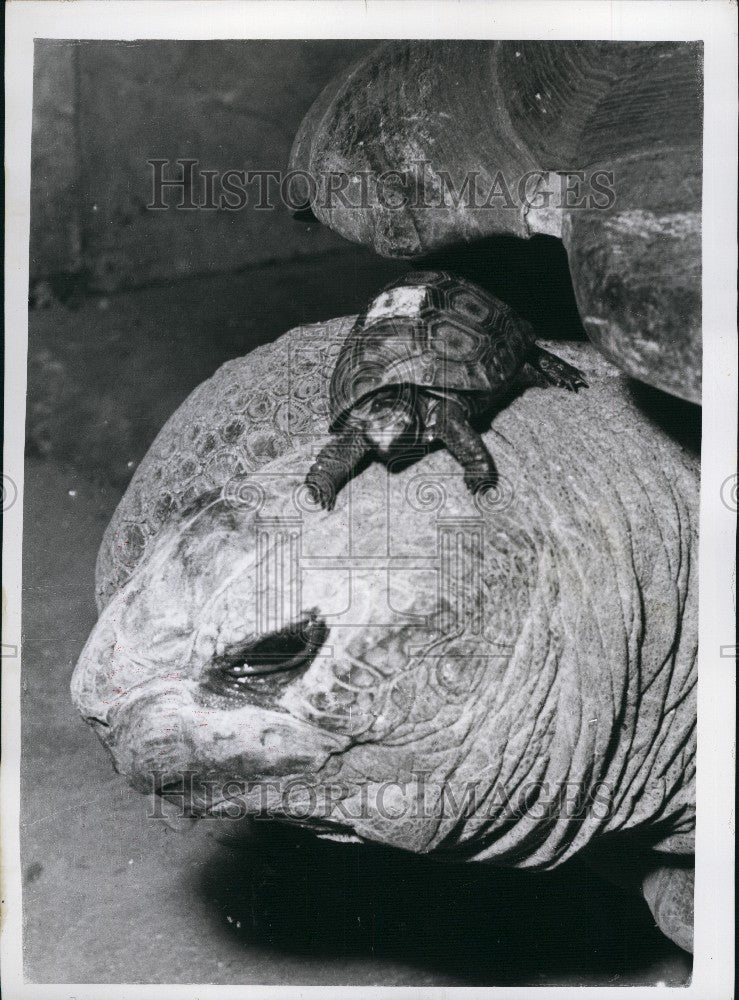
334 467
669 890
465 444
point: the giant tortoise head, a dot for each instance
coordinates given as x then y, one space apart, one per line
507 679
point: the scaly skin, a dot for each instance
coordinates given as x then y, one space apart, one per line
531 651
334 466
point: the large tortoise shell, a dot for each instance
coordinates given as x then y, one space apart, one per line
433 330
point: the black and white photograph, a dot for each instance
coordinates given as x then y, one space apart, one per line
376 412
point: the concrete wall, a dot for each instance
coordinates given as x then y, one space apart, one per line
103 108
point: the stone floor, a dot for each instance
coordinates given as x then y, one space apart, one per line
113 896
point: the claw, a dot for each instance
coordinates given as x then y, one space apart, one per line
321 490
477 482
571 380
557 372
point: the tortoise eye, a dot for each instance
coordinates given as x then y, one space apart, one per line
281 651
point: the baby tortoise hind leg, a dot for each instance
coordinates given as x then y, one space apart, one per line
464 443
543 369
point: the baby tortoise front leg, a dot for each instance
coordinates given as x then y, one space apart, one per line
334 467
542 368
463 442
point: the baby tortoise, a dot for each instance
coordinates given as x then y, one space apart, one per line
432 354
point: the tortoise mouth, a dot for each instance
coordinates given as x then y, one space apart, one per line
333 830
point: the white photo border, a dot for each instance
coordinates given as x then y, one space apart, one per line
712 21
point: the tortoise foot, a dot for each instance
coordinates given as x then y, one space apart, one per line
554 371
669 890
479 478
321 489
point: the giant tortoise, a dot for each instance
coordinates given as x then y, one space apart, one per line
536 644
367 672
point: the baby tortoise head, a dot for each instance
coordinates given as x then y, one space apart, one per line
431 352
390 419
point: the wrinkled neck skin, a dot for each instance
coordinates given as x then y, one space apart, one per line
484 708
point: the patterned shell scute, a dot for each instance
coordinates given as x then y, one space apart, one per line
432 330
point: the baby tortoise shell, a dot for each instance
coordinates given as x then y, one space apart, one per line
433 330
